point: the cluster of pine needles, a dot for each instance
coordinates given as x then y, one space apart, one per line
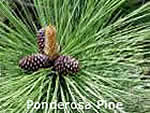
112 47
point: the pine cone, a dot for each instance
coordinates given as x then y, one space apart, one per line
41 40
35 62
66 64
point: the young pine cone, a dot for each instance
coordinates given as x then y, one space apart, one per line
66 64
35 62
41 40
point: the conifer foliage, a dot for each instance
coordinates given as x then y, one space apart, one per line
102 51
